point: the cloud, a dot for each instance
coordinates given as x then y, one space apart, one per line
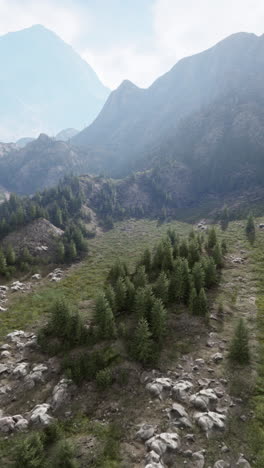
65 18
178 29
119 63
184 28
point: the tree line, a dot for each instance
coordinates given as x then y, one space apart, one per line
135 307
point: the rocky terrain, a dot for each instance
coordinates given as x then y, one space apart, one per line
39 237
188 412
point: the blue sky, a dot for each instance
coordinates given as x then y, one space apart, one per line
135 39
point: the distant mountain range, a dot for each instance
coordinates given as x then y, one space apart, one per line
45 85
196 133
135 123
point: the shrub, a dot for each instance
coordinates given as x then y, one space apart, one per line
104 378
30 452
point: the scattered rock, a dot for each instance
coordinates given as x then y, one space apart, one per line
217 357
162 442
60 393
21 370
181 389
204 400
36 277
210 420
145 432
39 415
7 424
242 462
221 464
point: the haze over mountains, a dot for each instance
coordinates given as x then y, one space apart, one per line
45 85
134 121
197 131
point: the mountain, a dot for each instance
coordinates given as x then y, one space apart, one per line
22 142
40 164
45 85
6 148
66 134
135 122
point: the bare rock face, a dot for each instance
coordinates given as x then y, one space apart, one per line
39 237
39 415
204 400
221 464
242 462
181 390
210 421
60 393
159 385
145 432
163 442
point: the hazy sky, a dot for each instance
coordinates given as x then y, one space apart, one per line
135 39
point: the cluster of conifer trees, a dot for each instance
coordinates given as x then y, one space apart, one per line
62 207
178 271
134 307
58 205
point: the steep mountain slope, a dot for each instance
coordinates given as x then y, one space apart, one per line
45 85
66 134
40 164
135 121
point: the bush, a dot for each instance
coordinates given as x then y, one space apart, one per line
104 378
30 452
63 457
52 433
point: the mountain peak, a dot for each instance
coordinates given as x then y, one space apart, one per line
127 85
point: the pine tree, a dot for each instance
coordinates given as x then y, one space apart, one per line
10 255
142 345
250 229
172 236
104 318
158 257
209 268
110 297
239 350
2 262
175 252
183 249
194 253
212 238
120 294
146 260
140 279
194 302
161 288
202 303
198 276
26 257
224 247
217 255
167 261
224 218
118 270
60 317
158 320
60 252
140 304
176 283
130 294
71 252
186 282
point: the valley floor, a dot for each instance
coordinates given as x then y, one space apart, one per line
232 422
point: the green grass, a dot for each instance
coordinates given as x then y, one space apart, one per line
127 241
